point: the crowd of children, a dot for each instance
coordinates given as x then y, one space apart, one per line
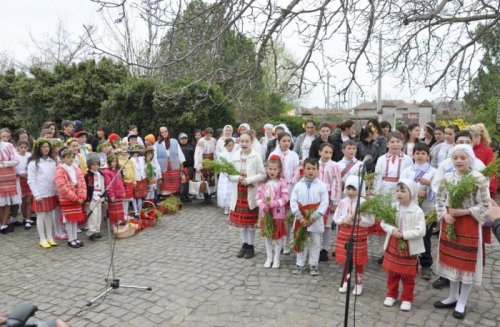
309 190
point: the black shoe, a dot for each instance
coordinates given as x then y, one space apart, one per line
243 249
4 230
426 273
18 223
79 243
380 260
93 237
323 255
441 305
333 254
459 315
249 253
98 236
73 245
441 283
184 200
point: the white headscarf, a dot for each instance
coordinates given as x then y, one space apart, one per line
412 186
268 126
354 181
285 128
467 149
245 125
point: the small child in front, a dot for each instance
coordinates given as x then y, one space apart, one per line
344 217
309 202
401 261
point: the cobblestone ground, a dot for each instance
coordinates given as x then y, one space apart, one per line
190 262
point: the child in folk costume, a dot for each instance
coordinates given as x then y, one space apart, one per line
128 176
57 221
401 262
70 184
291 169
85 148
116 190
422 173
309 203
272 197
345 217
10 189
461 258
389 168
349 165
141 184
223 184
41 180
188 171
94 181
80 160
205 149
23 156
329 173
104 148
244 208
153 173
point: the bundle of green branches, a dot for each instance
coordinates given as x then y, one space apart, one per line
268 226
493 169
380 207
221 166
300 236
457 193
171 204
370 180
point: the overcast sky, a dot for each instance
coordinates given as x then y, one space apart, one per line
20 18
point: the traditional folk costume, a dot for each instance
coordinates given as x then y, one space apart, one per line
349 168
170 157
70 184
128 182
243 205
402 263
275 194
427 204
347 208
10 189
389 169
153 174
95 187
309 195
80 162
444 152
116 191
462 259
22 174
41 180
224 185
141 184
205 150
329 173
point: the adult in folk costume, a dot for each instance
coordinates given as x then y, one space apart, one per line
170 157
227 133
205 150
10 189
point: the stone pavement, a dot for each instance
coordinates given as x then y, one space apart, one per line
190 262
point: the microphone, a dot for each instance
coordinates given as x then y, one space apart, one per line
368 159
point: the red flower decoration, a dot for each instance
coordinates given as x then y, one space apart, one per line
275 157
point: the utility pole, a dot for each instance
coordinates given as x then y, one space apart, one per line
327 100
379 91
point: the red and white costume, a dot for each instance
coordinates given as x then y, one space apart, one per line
22 173
10 189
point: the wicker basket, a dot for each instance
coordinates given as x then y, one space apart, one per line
124 231
148 214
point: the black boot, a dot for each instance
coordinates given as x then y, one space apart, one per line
323 255
243 250
250 253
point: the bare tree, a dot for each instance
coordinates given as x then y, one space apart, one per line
427 43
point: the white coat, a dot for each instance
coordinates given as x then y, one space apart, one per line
316 193
255 174
413 228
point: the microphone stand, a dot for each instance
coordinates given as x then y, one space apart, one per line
113 283
349 247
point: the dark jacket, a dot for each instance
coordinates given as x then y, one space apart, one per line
315 145
336 141
188 151
89 181
364 149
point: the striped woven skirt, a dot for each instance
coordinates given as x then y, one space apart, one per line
280 228
45 204
399 261
360 254
72 211
141 189
115 211
129 191
460 253
170 181
242 215
25 189
8 182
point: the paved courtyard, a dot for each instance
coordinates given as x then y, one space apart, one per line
189 261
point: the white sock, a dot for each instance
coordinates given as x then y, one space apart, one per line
277 249
40 226
462 298
250 235
327 239
243 235
134 204
454 287
72 228
269 249
48 225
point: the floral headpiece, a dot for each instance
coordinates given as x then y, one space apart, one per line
39 142
274 157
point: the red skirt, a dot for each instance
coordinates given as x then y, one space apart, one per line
115 211
280 229
25 189
462 252
8 182
45 204
400 262
170 181
377 229
129 190
360 255
242 215
141 189
72 211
